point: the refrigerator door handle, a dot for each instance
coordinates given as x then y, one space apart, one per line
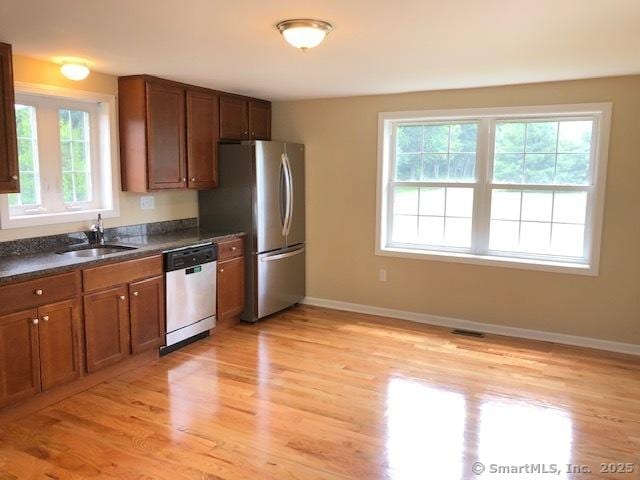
281 195
289 209
280 256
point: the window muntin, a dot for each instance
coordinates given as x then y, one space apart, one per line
536 191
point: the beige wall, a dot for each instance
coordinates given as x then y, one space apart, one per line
341 140
168 205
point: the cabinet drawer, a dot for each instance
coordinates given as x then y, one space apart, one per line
42 291
230 249
108 276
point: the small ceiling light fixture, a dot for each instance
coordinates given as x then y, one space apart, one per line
75 71
304 33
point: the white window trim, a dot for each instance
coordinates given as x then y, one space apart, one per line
600 144
108 159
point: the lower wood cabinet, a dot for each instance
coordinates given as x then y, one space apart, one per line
230 289
58 336
147 314
39 350
19 356
106 316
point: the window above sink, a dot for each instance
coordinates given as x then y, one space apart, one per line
67 155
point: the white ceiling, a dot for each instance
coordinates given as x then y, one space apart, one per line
378 46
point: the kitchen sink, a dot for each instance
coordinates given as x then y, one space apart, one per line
94 250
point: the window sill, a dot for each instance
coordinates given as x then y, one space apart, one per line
55 218
490 260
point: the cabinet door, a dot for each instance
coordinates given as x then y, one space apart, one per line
8 143
166 136
234 119
259 120
147 314
19 358
58 335
202 139
106 319
230 288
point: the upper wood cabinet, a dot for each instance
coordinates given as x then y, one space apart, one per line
8 143
152 134
259 120
167 165
202 139
234 118
244 119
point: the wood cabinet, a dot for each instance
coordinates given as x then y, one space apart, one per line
106 316
147 314
19 356
202 139
152 134
244 119
127 319
259 120
8 144
234 118
231 282
167 164
59 343
39 350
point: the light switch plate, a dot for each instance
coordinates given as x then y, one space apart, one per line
147 203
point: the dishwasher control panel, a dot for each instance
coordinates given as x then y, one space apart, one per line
190 257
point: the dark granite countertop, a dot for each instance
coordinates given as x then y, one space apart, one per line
23 267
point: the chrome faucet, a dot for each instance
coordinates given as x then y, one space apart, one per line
98 231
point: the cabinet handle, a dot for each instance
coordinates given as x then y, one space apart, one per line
35 321
135 294
15 177
122 297
45 318
39 292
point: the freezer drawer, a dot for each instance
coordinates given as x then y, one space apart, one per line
281 279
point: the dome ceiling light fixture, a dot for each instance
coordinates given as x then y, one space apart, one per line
304 33
75 71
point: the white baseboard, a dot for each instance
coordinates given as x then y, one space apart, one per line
450 322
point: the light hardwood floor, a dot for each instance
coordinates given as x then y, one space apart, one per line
319 394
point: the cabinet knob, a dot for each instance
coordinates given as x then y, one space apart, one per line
135 294
184 179
221 270
15 177
39 292
45 318
35 321
193 179
233 249
122 297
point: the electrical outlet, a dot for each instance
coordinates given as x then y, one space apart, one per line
147 203
382 275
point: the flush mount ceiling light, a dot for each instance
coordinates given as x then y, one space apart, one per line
75 71
304 33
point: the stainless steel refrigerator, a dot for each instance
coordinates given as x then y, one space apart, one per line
261 192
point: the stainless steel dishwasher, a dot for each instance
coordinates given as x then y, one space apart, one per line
191 294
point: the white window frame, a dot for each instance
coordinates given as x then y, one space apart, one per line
480 254
104 160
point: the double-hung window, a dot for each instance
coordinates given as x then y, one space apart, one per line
66 156
519 187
